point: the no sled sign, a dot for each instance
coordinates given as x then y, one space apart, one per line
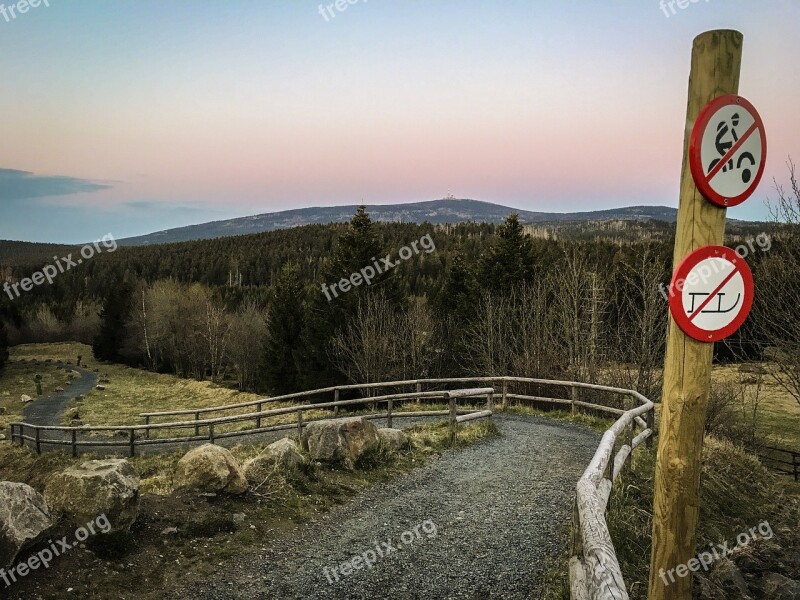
728 150
711 293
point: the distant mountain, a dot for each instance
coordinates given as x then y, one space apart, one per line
437 211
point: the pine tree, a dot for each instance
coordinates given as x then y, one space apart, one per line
280 372
358 249
510 261
3 345
113 316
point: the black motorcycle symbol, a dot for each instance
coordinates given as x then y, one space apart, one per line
723 146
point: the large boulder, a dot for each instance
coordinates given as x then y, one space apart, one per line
24 520
211 469
283 455
340 441
95 488
777 587
394 439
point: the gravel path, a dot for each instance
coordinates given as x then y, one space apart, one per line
47 411
499 508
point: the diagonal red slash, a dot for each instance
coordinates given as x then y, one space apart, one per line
721 164
705 302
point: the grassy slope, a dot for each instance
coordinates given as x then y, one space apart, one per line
779 412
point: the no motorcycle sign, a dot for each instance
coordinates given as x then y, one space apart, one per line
728 150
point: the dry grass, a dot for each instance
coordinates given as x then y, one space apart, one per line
16 379
779 412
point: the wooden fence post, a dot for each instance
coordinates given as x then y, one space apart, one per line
505 393
147 429
74 443
650 418
300 423
389 415
211 432
197 427
453 419
133 443
260 406
336 399
575 394
38 443
716 63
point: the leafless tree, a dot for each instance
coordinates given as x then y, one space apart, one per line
362 350
246 344
639 336
487 349
778 282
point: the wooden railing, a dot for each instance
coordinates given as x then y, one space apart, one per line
594 571
781 460
140 435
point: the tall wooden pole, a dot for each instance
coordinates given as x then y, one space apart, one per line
716 62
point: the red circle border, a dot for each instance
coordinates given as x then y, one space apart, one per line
676 297
695 150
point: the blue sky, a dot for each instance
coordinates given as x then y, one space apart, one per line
131 116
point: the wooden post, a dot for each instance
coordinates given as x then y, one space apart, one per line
300 423
258 419
453 419
147 430
133 443
650 418
197 427
74 443
389 415
716 62
336 399
211 432
575 397
38 443
505 393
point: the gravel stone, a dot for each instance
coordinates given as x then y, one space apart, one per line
500 506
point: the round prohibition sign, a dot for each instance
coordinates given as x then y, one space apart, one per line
728 150
711 293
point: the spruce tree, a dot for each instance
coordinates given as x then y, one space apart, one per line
113 316
280 372
357 250
510 260
3 345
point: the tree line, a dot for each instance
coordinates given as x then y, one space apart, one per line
489 300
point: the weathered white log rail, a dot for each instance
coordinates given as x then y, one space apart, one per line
594 571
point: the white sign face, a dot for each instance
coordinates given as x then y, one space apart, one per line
728 151
711 293
729 125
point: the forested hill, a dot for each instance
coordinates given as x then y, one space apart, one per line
437 212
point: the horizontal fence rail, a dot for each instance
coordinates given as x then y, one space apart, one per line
781 460
594 570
